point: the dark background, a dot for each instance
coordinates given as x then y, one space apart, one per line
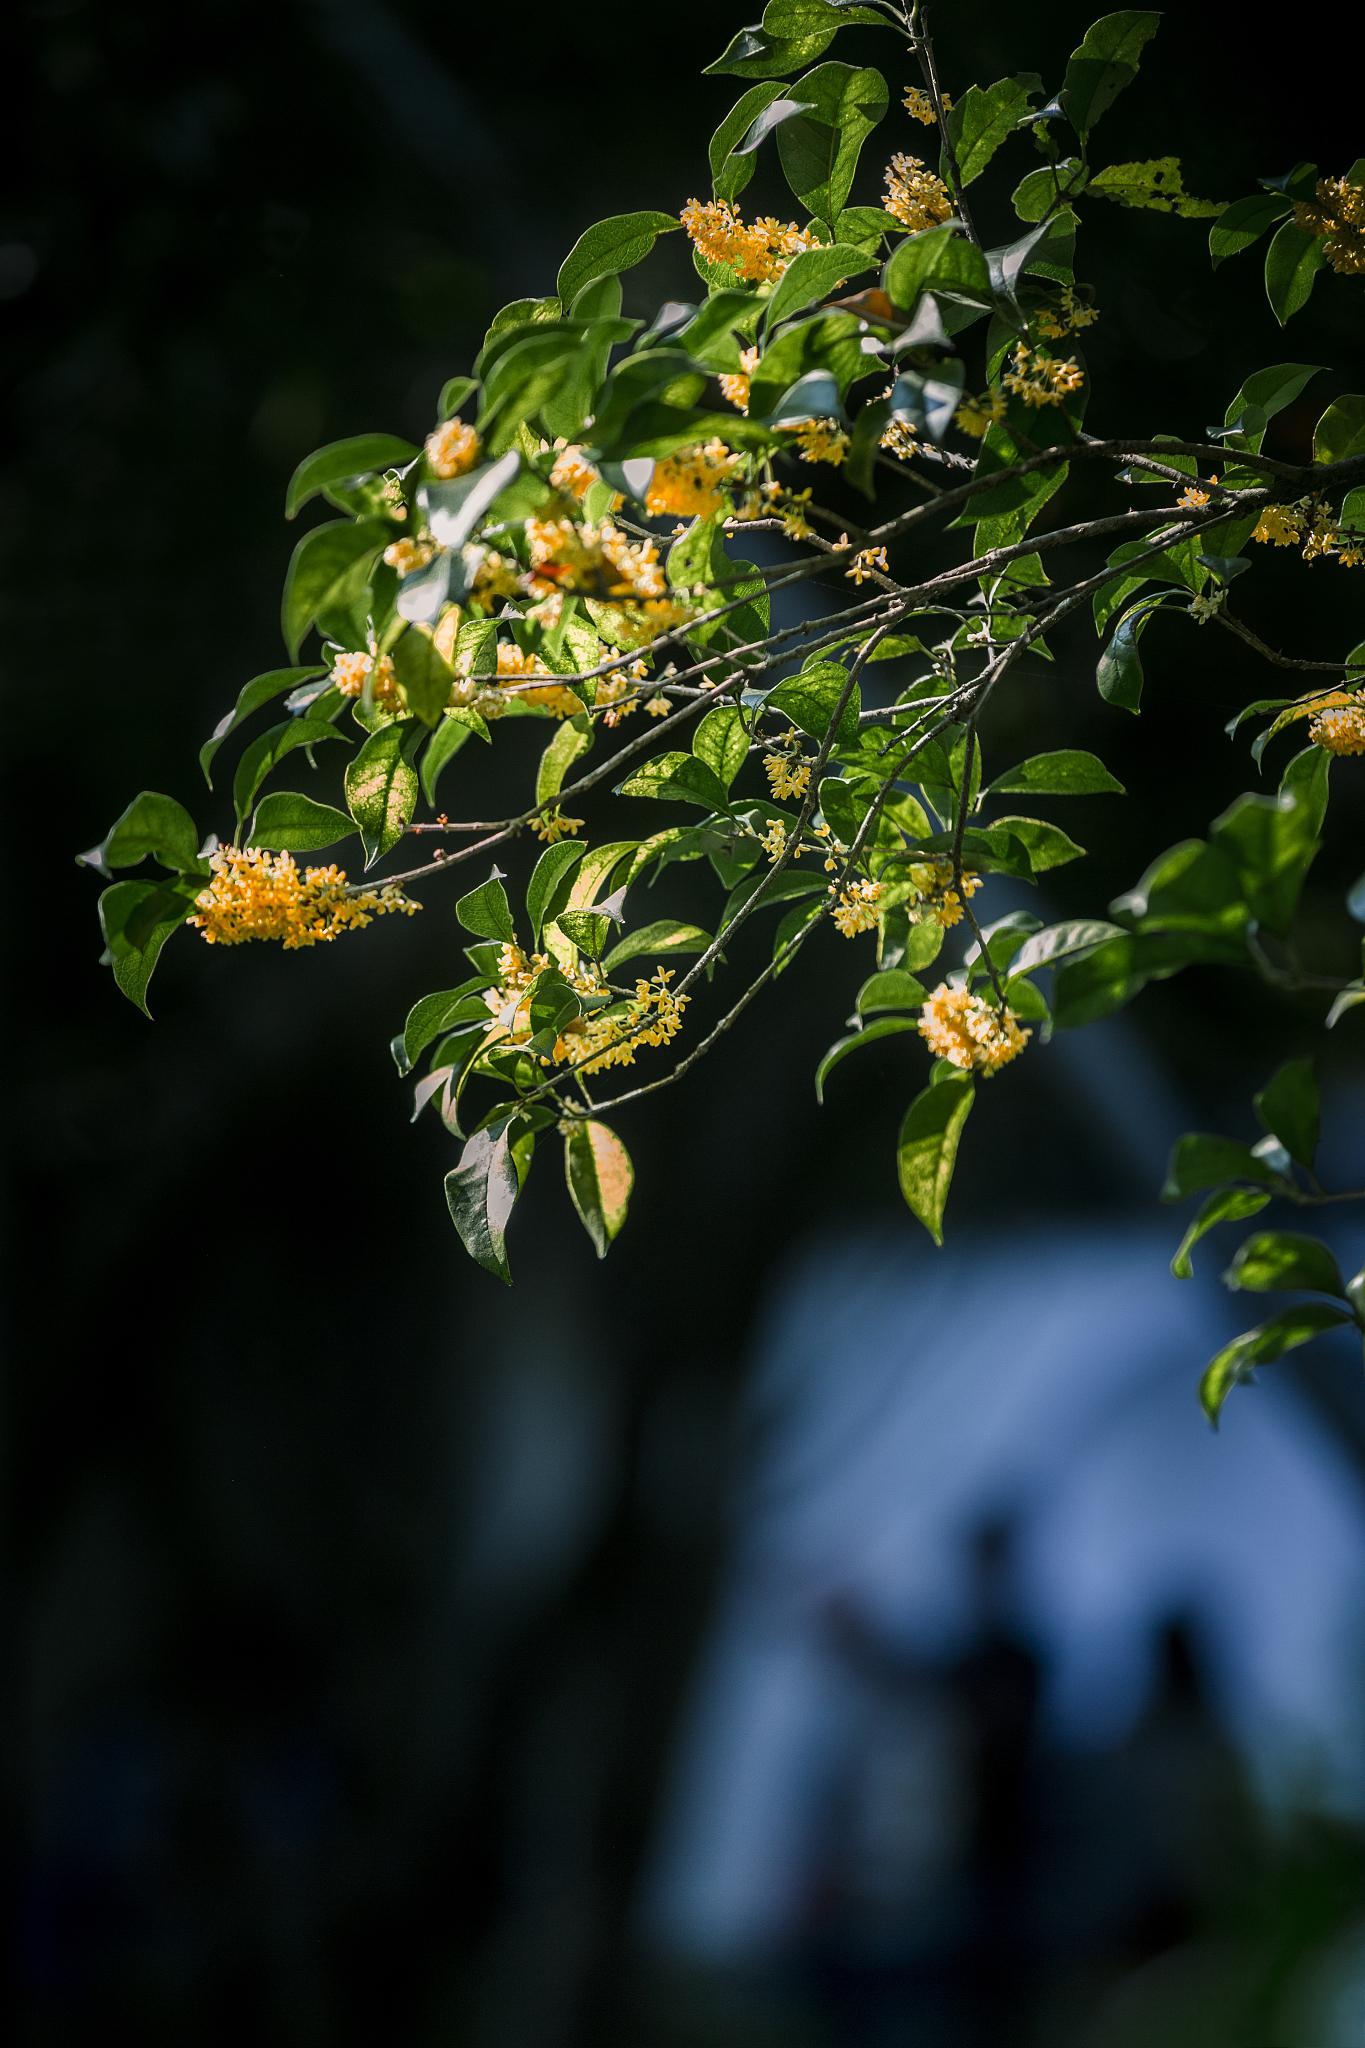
293 1755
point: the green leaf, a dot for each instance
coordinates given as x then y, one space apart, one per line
678 778
1037 194
819 150
266 752
610 247
732 166
589 930
1062 942
287 821
827 344
1288 1107
1292 262
1157 184
1118 674
811 698
1243 223
722 742
983 118
1105 62
340 462
260 690
381 787
812 276
425 674
486 912
937 259
153 825
891 989
137 918
600 1176
753 53
1262 1346
1264 394
1046 846
667 935
454 392
480 1192
548 885
1070 771
1225 1205
321 572
1340 433
881 1027
1282 1259
433 1015
445 743
570 742
927 1147
1200 1160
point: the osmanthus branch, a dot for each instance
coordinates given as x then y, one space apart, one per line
1254 640
917 22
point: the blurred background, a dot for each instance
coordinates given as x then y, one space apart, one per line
781 1633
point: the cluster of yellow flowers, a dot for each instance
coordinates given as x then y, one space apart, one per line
350 672
452 450
259 895
898 440
1041 379
868 562
936 899
607 1038
734 384
1337 217
855 907
760 253
1068 315
572 472
913 195
920 107
1310 522
1192 499
788 776
694 482
407 555
516 673
552 825
1340 730
968 1031
775 839
820 441
975 416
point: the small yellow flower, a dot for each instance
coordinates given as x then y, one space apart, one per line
867 562
1068 315
406 556
788 776
775 839
1041 379
920 107
1336 215
898 440
572 472
350 673
1192 499
1279 526
975 416
914 196
693 482
855 907
1340 731
968 1031
937 899
734 384
452 450
821 441
657 707
552 825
